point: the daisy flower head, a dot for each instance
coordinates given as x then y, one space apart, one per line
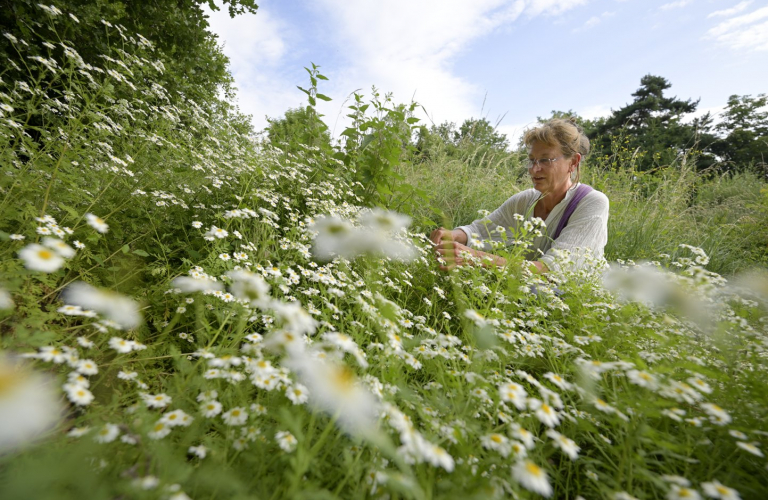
216 232
159 430
544 412
497 442
6 301
29 405
199 451
177 418
156 400
59 247
751 448
39 258
107 434
123 310
715 489
188 284
235 416
335 389
286 441
567 445
97 223
297 393
210 408
682 493
532 477
558 381
716 413
78 394
17 237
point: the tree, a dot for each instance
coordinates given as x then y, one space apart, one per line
298 126
195 64
745 129
652 124
480 133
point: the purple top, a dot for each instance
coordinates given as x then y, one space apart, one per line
581 191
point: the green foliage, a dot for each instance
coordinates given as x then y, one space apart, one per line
653 123
375 144
186 192
194 63
299 126
745 126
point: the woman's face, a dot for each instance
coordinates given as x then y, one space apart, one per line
554 177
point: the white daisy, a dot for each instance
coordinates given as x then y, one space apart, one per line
210 408
39 258
97 223
235 416
107 434
286 441
532 477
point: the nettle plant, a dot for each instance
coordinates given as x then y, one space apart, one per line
189 314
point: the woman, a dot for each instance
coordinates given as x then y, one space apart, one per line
576 215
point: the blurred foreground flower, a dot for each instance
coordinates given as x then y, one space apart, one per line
334 389
118 308
338 237
188 284
97 223
29 405
39 258
6 301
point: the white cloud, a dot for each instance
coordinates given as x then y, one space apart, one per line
407 47
401 46
594 21
675 5
256 46
743 32
733 10
714 111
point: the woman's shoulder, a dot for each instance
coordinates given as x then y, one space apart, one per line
596 199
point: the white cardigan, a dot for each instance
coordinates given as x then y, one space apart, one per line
587 228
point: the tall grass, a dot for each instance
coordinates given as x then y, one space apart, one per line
651 212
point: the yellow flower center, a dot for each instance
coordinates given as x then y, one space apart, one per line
45 254
8 380
533 469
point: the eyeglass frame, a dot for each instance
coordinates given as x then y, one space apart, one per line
532 163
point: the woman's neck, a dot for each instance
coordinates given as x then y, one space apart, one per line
549 201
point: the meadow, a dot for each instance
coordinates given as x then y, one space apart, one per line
190 312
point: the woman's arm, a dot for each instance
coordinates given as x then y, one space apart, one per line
453 254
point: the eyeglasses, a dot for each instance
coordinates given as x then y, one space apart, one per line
542 162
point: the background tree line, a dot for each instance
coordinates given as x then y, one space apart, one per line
655 128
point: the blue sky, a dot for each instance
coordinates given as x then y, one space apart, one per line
516 59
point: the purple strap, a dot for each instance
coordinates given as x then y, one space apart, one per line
581 191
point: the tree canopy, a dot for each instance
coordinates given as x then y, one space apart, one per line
195 66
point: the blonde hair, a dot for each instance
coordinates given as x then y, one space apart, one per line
564 133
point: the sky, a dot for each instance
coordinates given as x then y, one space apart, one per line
509 61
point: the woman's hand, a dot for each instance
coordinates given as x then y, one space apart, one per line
442 234
453 253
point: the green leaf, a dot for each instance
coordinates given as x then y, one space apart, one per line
303 90
321 77
125 249
141 253
323 97
366 141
